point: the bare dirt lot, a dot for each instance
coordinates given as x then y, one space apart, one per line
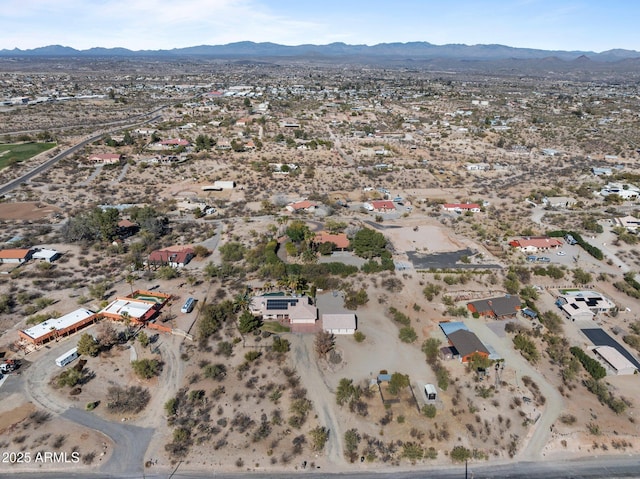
27 211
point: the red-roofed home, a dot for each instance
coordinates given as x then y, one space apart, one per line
175 142
304 205
340 240
168 257
383 206
535 244
15 255
462 207
105 158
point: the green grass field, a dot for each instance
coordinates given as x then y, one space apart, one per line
16 152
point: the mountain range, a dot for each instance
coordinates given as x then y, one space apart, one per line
417 51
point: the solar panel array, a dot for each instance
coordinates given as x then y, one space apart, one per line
281 304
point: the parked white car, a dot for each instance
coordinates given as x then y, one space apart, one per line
561 253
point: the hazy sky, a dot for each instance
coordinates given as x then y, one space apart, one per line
592 25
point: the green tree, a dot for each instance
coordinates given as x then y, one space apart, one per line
70 377
232 251
581 277
319 436
166 273
215 371
460 454
344 391
429 410
298 231
407 334
412 451
248 322
280 345
351 442
143 339
398 382
431 349
368 243
88 346
146 368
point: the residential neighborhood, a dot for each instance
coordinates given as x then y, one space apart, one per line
290 265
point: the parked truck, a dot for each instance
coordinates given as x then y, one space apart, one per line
8 366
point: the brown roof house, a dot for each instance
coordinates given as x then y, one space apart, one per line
467 344
500 308
169 257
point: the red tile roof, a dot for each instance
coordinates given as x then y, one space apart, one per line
302 205
540 242
182 256
383 205
175 141
14 253
340 239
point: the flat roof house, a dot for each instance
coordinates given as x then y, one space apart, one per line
54 328
462 207
48 255
105 158
614 360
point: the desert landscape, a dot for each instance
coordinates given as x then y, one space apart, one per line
399 221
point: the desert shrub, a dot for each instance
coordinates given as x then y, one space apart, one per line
132 399
146 368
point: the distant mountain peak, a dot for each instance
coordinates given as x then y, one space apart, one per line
414 51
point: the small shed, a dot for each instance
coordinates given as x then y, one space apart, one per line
48 255
430 392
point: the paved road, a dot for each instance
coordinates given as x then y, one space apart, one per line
12 185
131 442
590 468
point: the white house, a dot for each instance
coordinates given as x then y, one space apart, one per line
294 309
48 255
614 360
344 323
477 166
625 191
